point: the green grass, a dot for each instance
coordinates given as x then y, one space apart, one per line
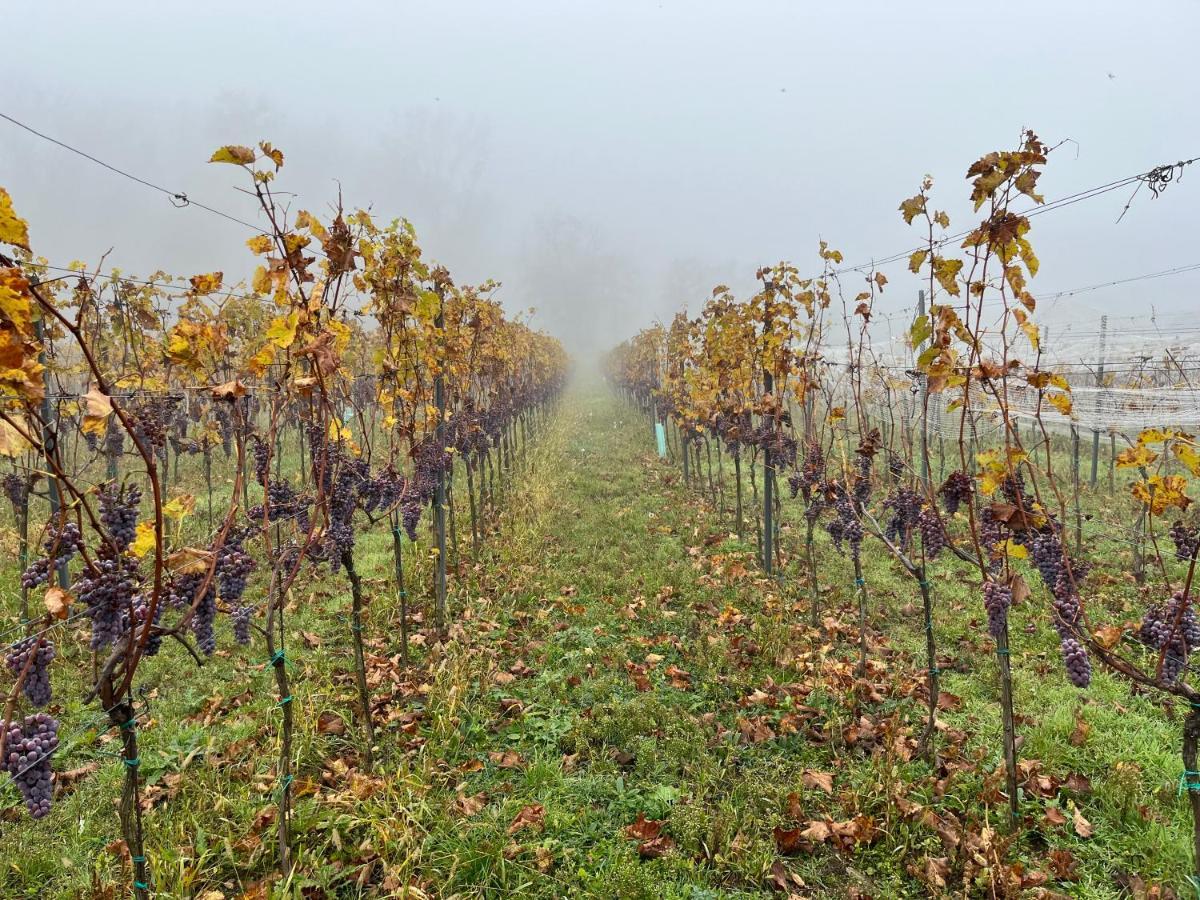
603 561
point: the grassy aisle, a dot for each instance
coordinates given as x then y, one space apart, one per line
617 662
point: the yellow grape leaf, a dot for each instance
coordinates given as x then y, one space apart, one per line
946 272
1136 457
98 409
206 284
179 507
1061 402
282 331
231 153
1015 551
836 414
1029 328
13 229
276 156
1188 456
911 208
144 542
1160 492
916 260
260 244
257 364
58 602
1156 435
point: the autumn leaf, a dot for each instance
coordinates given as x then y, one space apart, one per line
230 391
143 543
13 229
58 602
818 780
236 155
97 409
531 816
206 284
643 829
330 723
916 260
1083 827
1136 457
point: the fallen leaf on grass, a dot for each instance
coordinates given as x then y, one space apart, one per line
330 723
531 816
506 759
821 780
1083 827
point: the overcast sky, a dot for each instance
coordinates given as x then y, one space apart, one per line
609 161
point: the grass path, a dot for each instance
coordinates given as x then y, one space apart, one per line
616 656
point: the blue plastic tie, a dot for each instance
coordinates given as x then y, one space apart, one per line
285 700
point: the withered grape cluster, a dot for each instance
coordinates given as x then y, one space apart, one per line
957 489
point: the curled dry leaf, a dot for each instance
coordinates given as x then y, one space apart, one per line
531 816
58 602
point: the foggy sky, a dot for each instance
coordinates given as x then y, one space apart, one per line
610 160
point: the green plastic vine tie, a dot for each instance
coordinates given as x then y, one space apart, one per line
1002 651
1185 785
141 885
277 657
286 700
285 782
934 670
134 763
129 724
396 531
925 585
137 859
859 582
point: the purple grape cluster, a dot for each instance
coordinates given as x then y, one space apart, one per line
119 513
997 598
114 443
904 504
29 749
933 532
37 679
845 526
137 616
234 567
241 617
60 545
262 455
181 593
957 489
1067 615
1173 629
862 479
1186 539
106 588
16 489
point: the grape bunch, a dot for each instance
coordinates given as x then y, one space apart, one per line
1185 539
37 572
241 617
106 588
136 618
1173 629
845 526
234 567
261 457
114 443
28 750
905 507
1013 489
182 593
862 478
933 533
997 598
795 482
895 465
224 420
1067 616
119 512
16 489
37 679
957 489
411 505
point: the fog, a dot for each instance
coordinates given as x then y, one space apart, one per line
610 161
